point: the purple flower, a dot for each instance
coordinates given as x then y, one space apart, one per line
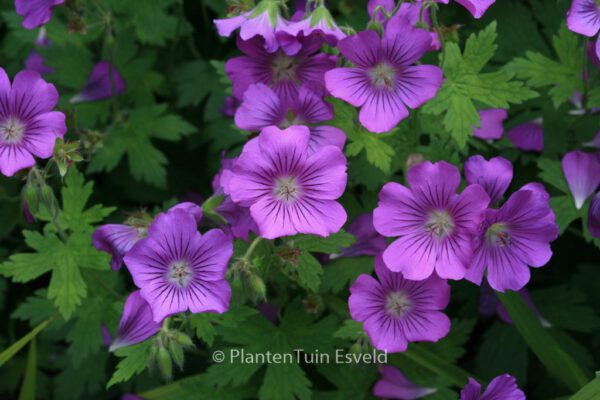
514 237
36 12
136 323
117 240
28 126
594 216
238 217
178 269
270 312
491 124
261 21
503 387
476 7
582 171
35 62
528 136
584 17
319 22
285 74
494 175
384 82
417 15
435 225
262 107
104 82
230 106
368 241
394 385
288 189
395 310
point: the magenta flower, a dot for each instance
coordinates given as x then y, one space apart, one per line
395 310
178 269
319 22
528 136
494 175
104 82
368 241
238 217
36 12
262 107
262 21
416 14
476 7
28 126
584 18
503 387
285 74
435 225
394 385
491 124
594 216
582 171
385 82
117 240
387 5
230 106
513 238
136 323
35 62
288 189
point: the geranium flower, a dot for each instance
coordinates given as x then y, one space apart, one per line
103 83
395 310
476 7
36 12
494 175
584 18
283 73
503 387
288 189
528 136
582 171
136 323
368 241
262 107
385 82
436 226
263 20
491 124
28 125
394 385
178 269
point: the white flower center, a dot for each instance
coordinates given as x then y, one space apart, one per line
286 189
440 224
383 76
12 130
397 304
498 235
283 68
180 273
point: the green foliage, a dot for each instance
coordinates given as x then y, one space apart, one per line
563 75
134 361
133 138
466 84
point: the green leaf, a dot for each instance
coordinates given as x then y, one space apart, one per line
152 21
591 391
67 287
196 387
28 386
352 381
134 361
331 244
565 307
466 83
565 211
351 329
134 139
556 360
492 359
551 173
343 271
563 75
8 353
309 271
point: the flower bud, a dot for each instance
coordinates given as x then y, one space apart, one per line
165 365
176 353
182 339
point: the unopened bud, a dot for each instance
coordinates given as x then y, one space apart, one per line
165 365
258 287
182 339
176 353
